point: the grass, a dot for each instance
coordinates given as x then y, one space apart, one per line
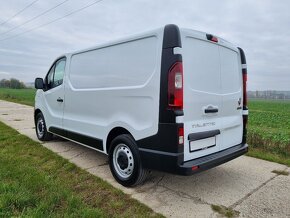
35 182
281 172
263 153
22 96
225 211
269 130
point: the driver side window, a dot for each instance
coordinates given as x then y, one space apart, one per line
58 72
54 77
49 79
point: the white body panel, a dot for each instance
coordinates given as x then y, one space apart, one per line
115 86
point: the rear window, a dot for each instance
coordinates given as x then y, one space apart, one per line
202 65
211 68
230 75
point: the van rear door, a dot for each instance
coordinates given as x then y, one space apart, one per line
212 92
202 97
231 89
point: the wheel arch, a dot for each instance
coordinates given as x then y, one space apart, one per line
36 111
113 134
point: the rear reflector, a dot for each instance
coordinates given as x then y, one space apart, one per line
181 136
194 168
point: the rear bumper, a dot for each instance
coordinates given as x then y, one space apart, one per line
171 162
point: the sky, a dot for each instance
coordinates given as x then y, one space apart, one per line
261 28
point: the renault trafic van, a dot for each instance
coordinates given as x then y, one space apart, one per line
170 99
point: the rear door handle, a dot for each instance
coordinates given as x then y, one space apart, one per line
211 109
59 100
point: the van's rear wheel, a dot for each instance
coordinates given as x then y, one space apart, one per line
125 162
40 128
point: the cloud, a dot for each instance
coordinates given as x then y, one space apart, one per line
261 28
4 73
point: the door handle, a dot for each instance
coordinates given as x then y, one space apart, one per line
211 109
59 100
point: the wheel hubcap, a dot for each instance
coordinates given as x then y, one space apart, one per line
40 127
123 161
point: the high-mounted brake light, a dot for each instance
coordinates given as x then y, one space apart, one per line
175 86
212 38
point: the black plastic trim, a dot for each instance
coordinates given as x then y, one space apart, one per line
209 36
243 56
245 120
245 117
160 152
171 39
170 162
211 110
212 160
203 135
84 139
165 140
58 131
159 160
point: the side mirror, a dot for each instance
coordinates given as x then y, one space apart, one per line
39 84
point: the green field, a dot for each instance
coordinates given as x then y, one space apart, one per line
268 128
23 96
36 182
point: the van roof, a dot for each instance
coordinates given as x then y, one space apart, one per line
119 41
202 35
194 33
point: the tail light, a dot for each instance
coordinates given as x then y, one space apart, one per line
245 77
175 86
245 101
180 135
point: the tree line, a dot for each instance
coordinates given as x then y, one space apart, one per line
12 83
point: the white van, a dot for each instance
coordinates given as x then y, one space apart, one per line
171 99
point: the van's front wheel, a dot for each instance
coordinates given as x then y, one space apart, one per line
125 162
40 127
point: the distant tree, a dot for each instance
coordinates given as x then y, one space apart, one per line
12 83
4 83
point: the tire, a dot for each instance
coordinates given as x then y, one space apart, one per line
125 162
40 128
